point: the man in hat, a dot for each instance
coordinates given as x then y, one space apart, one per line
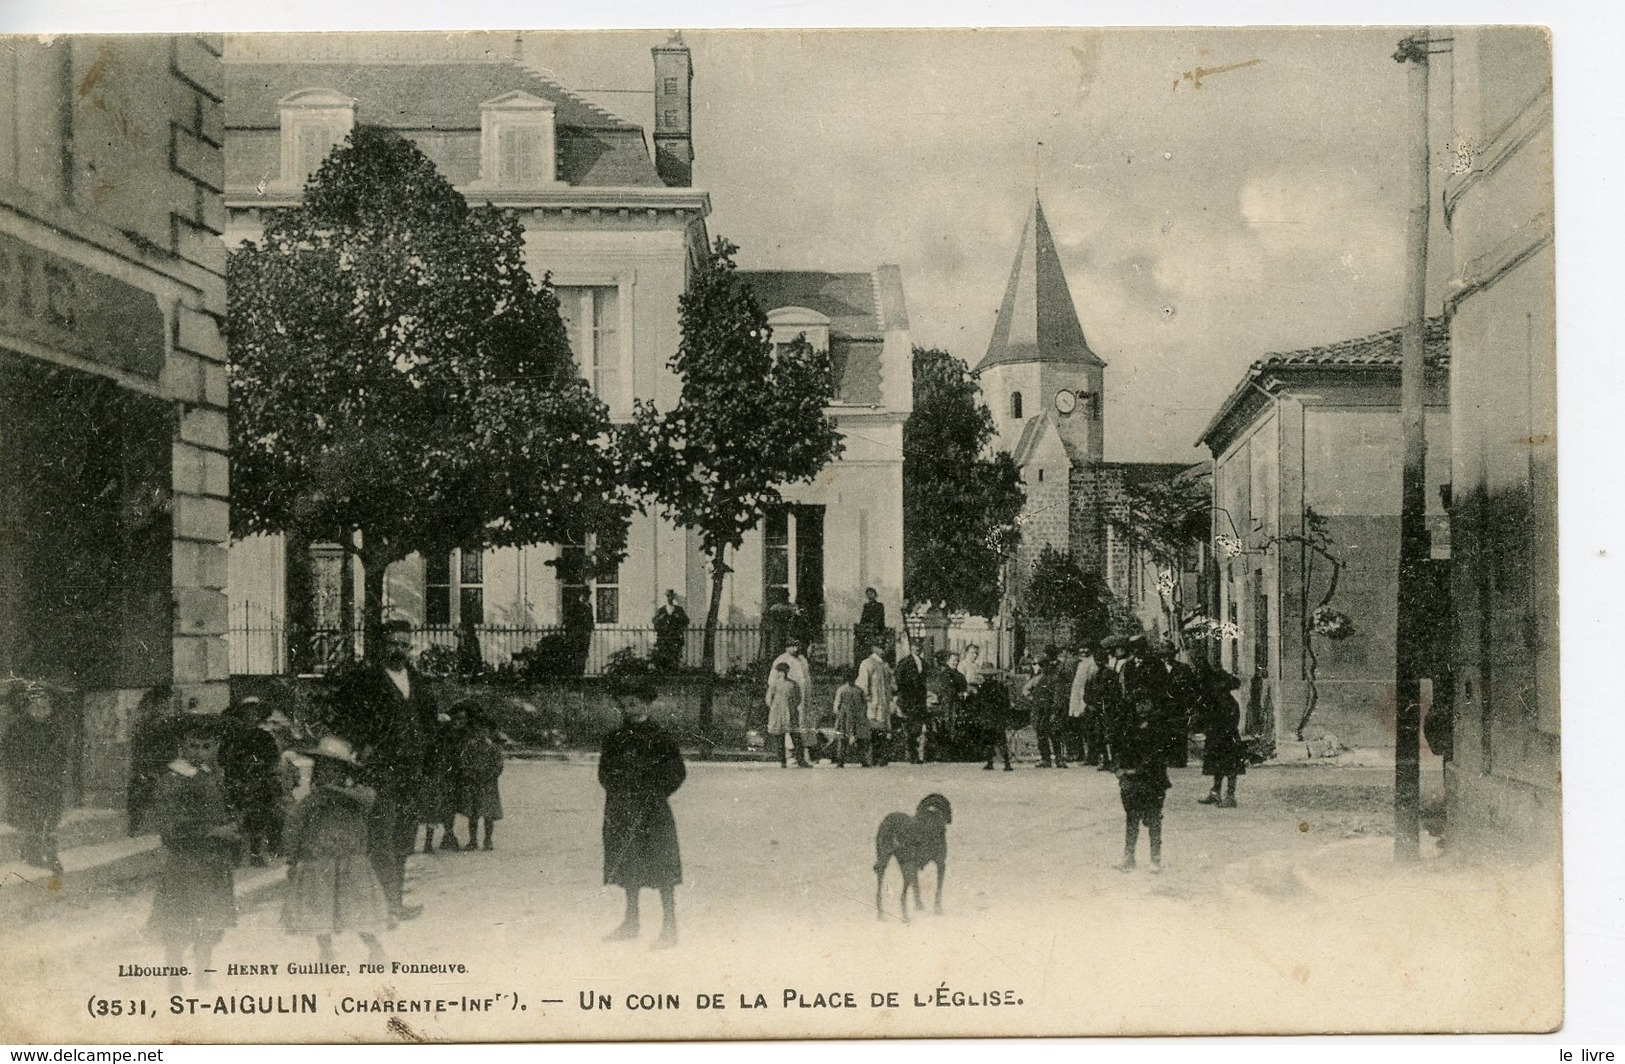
36 755
879 688
1049 696
910 678
389 712
671 631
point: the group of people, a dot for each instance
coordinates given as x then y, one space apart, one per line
882 712
1119 705
343 808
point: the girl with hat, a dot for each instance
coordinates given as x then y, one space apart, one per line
332 887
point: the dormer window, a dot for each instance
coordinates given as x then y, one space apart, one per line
314 122
517 141
789 322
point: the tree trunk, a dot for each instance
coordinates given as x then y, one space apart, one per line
372 606
708 656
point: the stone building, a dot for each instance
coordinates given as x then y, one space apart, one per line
113 471
1306 435
1503 790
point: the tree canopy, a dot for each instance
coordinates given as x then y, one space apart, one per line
959 504
749 420
398 376
1059 591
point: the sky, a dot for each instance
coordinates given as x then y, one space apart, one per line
1200 225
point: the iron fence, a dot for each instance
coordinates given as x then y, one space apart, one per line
263 646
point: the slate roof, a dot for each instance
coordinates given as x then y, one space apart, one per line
595 147
851 301
860 307
1037 320
1378 352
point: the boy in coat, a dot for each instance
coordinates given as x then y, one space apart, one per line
640 768
194 902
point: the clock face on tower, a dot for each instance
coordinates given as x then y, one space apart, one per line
1066 401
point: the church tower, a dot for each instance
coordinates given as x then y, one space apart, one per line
1038 362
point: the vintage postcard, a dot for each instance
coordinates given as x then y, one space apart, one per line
753 534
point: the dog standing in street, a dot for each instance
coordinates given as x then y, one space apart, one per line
915 841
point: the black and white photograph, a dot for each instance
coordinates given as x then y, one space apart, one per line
706 534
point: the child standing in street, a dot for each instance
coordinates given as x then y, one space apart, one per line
332 887
1142 783
35 755
1224 755
480 763
443 786
851 721
194 902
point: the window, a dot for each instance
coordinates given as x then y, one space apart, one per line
671 86
516 141
437 589
1015 406
439 592
671 118
776 557
314 121
592 317
470 587
599 584
793 560
315 142
1041 476
517 151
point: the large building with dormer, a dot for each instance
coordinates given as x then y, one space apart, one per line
612 215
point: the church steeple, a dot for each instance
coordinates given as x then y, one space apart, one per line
1037 321
1038 363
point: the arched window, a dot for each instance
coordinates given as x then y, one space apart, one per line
1015 406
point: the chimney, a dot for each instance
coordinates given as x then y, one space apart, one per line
674 112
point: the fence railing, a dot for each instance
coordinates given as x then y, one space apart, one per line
264 646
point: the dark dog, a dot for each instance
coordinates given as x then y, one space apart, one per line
915 841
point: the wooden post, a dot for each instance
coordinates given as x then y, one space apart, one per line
1413 615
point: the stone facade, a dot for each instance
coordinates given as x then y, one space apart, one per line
1318 431
111 342
1503 787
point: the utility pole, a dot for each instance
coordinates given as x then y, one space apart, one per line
1414 543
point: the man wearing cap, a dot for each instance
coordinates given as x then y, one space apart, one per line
388 711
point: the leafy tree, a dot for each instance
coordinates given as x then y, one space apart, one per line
750 419
399 383
959 506
1167 519
1059 591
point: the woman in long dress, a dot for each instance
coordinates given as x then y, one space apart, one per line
640 768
